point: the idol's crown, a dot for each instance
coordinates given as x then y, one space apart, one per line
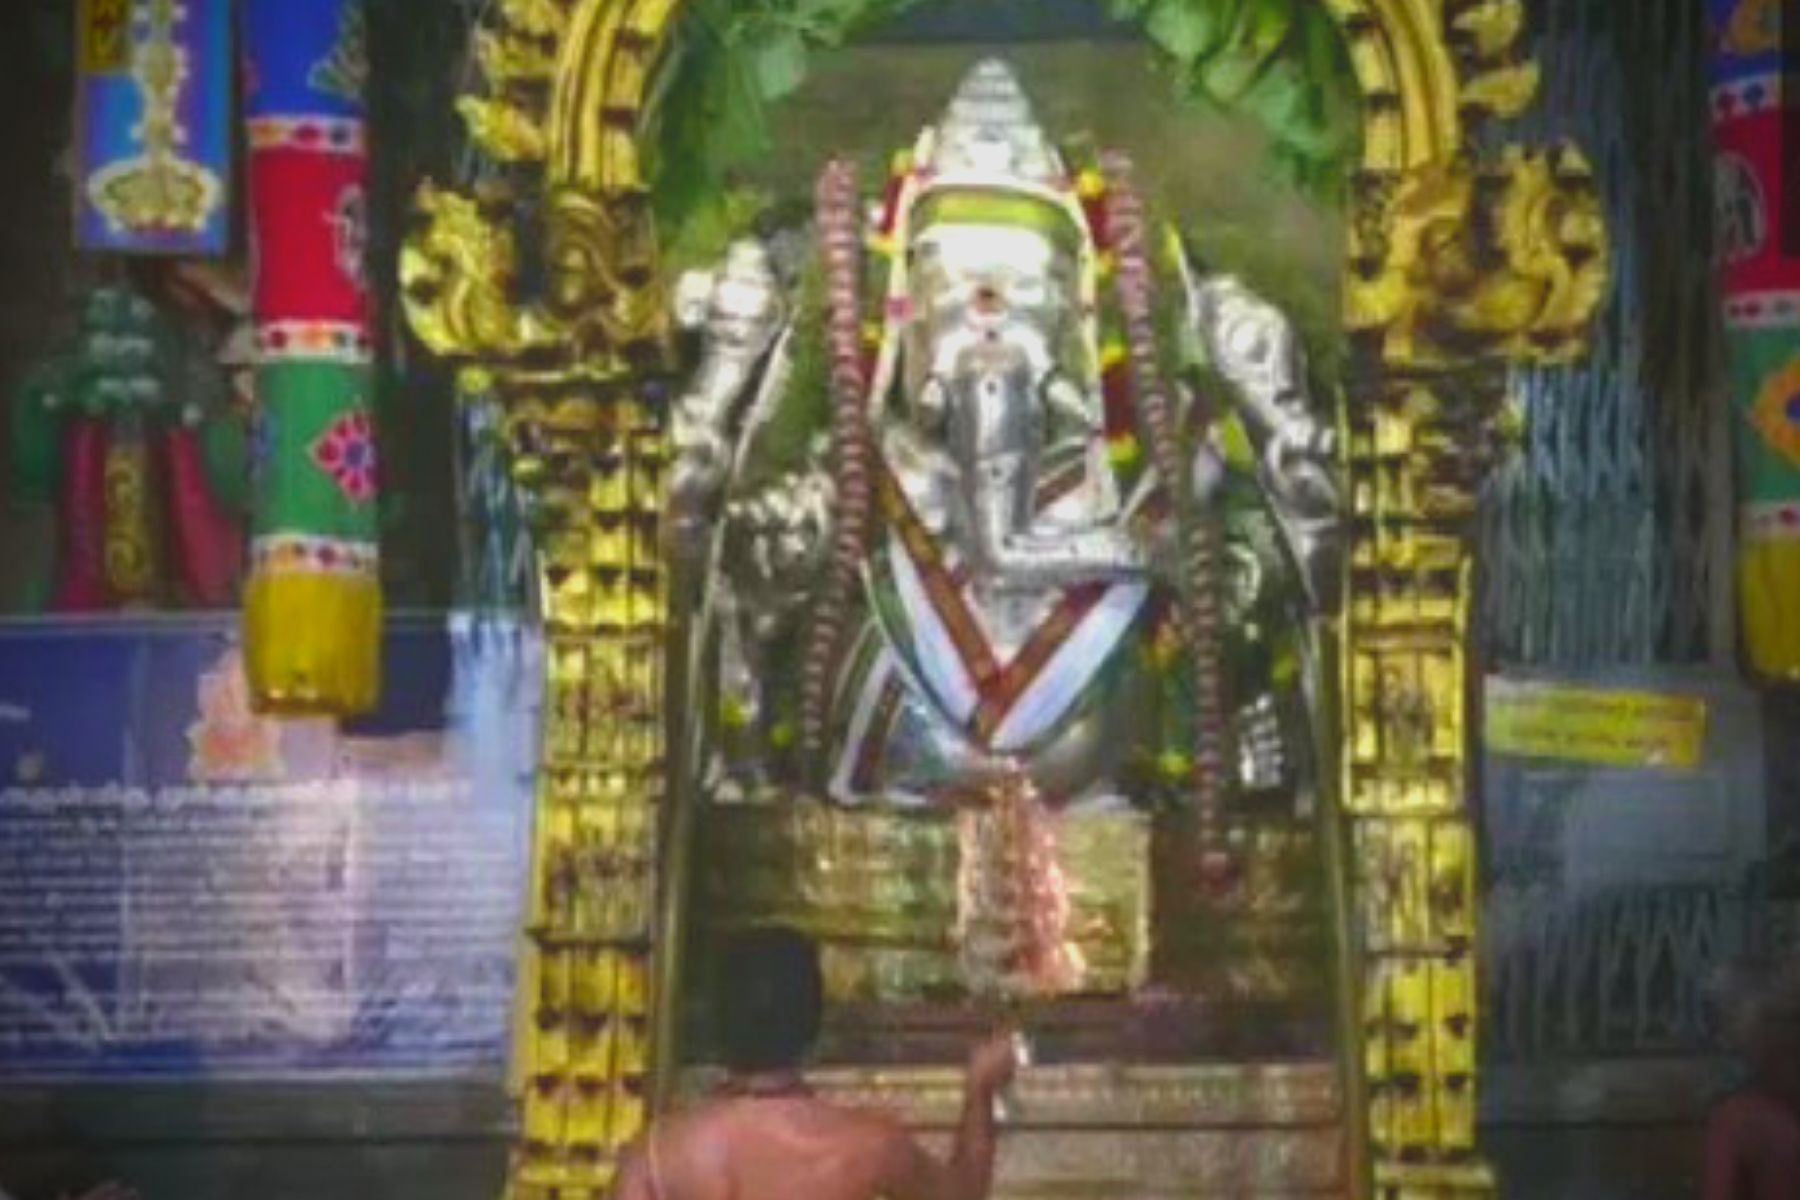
991 131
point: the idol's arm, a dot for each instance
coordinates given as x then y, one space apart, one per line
738 312
1256 349
1016 555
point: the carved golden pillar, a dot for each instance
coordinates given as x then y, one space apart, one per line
574 374
1458 271
585 987
1411 832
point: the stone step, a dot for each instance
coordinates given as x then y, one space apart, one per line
1224 1096
1130 1132
1266 1164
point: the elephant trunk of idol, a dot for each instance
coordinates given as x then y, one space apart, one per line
994 394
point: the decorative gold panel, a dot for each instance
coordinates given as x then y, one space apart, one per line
1184 1164
1455 267
1459 262
879 890
1214 1096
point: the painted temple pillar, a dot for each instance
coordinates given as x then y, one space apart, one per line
313 604
154 175
1756 120
1438 307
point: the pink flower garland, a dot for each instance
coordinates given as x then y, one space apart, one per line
1197 615
840 239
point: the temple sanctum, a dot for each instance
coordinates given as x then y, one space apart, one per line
1253 543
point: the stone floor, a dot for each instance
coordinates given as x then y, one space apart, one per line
1629 1132
1643 1163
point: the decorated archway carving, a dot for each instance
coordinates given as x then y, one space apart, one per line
1457 266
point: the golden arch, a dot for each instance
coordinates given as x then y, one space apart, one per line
1529 254
1454 268
1401 52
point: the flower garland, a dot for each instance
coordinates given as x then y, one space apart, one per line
840 239
1015 910
1198 615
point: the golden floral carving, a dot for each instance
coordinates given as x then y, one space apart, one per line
1494 26
457 276
602 263
509 58
504 131
536 18
1495 81
1504 92
1506 263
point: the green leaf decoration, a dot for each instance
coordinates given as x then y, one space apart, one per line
1278 61
1285 101
37 416
783 445
780 59
1228 76
829 22
1265 25
714 121
1126 10
1187 30
713 225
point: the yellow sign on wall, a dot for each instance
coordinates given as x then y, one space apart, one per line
1602 727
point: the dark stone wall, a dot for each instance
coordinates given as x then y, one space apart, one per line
36 269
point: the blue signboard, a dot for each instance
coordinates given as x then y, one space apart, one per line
190 890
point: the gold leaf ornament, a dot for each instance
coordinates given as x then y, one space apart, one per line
1505 91
1492 25
1549 226
457 274
1512 262
537 18
504 58
508 133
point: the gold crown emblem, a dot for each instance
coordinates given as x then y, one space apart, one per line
158 191
155 193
